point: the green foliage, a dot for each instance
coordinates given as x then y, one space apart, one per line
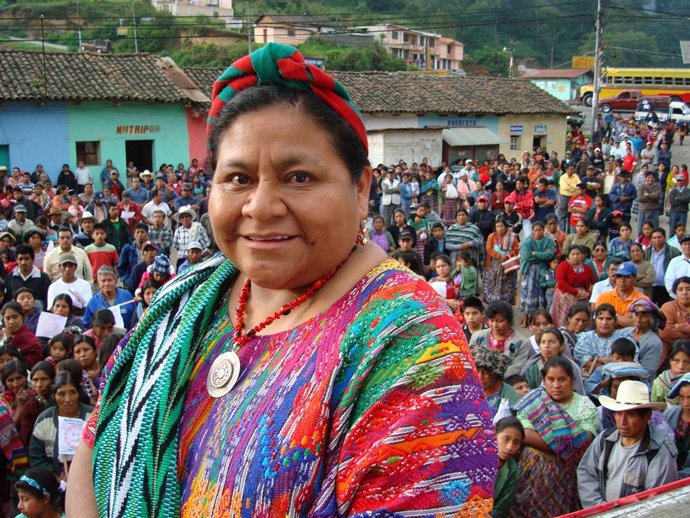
208 55
489 60
643 47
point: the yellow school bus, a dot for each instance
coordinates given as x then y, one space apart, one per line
674 82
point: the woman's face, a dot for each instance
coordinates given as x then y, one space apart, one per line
636 254
84 354
26 301
575 257
499 325
32 506
647 230
15 382
642 320
67 400
442 269
684 398
88 189
13 321
599 253
537 232
625 233
378 224
538 324
60 308
35 241
558 385
399 218
41 382
581 228
549 346
578 322
509 443
488 380
679 363
461 218
683 294
500 228
276 171
604 323
552 226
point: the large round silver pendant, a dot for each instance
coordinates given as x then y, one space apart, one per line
223 374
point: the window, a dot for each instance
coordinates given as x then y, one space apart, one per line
449 49
514 142
89 152
394 35
291 33
406 37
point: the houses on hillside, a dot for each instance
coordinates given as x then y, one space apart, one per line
147 110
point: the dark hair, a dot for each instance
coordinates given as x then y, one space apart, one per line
624 224
445 258
624 346
103 317
648 222
65 229
660 230
635 243
107 347
678 225
14 306
550 218
540 312
510 422
65 378
99 226
616 261
515 378
343 138
12 351
558 362
679 346
141 226
83 339
73 367
67 300
552 331
65 339
461 211
12 367
24 249
605 308
538 224
48 484
473 302
502 308
24 289
685 279
45 367
466 256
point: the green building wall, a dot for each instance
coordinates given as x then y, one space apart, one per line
112 125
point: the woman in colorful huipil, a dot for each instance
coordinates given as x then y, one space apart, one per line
535 254
301 373
429 189
559 425
501 245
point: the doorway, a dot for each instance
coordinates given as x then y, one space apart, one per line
141 153
538 141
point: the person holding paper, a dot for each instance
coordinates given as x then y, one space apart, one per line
110 295
43 448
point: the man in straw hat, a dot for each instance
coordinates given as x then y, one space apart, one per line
630 458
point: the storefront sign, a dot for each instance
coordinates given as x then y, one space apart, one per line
540 128
461 123
137 129
516 129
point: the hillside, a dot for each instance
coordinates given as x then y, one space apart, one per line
542 32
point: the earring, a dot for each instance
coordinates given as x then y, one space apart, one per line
361 238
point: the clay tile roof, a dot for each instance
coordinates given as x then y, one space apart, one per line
558 73
401 92
84 76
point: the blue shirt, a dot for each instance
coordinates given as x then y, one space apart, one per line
139 196
98 302
658 263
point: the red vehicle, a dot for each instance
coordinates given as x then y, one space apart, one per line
624 101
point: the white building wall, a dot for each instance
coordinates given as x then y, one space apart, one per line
412 146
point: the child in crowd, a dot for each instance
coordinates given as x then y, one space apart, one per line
466 269
519 383
60 347
678 418
99 252
622 350
148 290
679 363
619 247
510 436
551 343
473 314
491 365
547 283
678 232
616 222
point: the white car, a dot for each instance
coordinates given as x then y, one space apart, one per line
679 112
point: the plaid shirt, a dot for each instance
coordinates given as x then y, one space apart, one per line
183 236
161 237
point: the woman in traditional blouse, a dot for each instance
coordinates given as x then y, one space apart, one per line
574 283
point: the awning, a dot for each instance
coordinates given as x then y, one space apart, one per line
467 137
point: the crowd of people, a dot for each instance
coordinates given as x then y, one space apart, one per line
591 391
79 269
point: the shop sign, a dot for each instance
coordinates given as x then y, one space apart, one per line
516 129
540 128
461 123
137 129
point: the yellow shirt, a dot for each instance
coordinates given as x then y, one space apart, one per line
568 185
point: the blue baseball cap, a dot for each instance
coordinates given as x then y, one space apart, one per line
627 270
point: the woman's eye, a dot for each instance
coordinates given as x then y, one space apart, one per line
300 178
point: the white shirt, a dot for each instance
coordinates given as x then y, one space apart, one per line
678 267
148 210
599 288
79 290
83 175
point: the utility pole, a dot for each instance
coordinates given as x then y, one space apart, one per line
79 25
45 67
134 23
597 64
249 26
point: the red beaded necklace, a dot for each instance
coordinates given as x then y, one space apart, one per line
241 338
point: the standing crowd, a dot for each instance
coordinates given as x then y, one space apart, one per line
79 268
591 392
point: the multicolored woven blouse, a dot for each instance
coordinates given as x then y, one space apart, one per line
371 408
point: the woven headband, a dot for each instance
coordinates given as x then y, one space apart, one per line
276 64
33 483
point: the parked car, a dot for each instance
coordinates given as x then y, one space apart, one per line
659 104
99 46
624 101
575 119
679 112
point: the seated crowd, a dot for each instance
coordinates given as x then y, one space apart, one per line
78 270
591 391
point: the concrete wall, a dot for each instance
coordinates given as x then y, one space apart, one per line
276 34
113 125
35 134
408 145
551 129
198 143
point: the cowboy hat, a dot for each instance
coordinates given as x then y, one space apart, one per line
145 173
185 209
87 215
55 211
631 395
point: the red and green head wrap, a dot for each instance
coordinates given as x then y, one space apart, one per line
276 64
